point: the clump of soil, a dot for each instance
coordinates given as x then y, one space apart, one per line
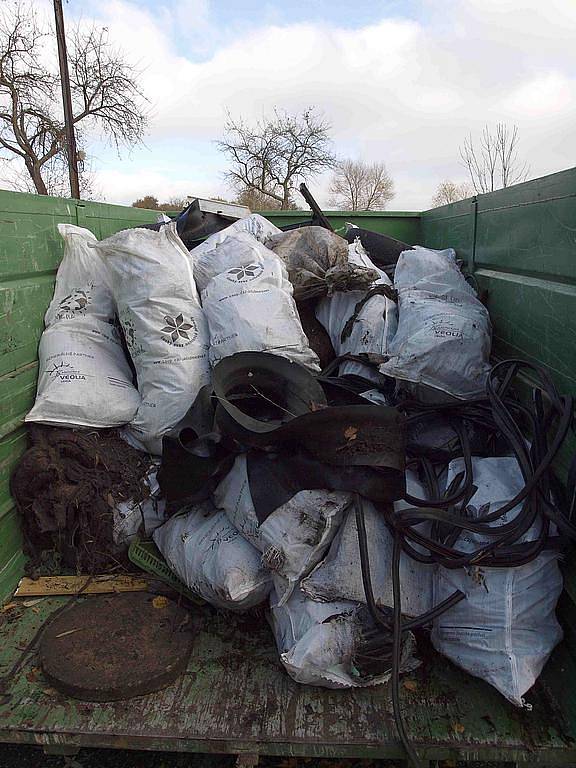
66 487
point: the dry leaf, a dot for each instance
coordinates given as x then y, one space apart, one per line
8 606
351 433
410 685
160 602
458 728
50 691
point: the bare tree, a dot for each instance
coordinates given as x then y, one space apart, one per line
105 95
274 155
450 192
258 201
494 162
358 186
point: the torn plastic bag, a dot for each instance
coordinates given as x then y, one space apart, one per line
382 249
140 518
295 536
164 325
82 283
358 322
506 628
318 642
85 379
444 333
249 304
210 556
339 575
318 264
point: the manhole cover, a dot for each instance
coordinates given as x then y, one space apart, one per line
115 647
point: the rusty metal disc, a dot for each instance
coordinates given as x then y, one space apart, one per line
116 646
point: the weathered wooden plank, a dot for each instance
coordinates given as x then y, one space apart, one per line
74 585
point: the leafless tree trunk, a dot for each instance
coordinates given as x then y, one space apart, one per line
494 163
273 156
105 95
358 186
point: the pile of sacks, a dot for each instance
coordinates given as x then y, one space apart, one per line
136 327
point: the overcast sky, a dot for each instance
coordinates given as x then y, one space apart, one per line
402 82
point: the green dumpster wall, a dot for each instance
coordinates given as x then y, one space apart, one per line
402 225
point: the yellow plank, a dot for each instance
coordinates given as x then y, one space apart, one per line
74 585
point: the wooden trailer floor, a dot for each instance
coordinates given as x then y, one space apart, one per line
236 698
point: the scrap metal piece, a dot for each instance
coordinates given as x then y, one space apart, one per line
111 648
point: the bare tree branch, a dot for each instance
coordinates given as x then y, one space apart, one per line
450 192
494 163
105 96
273 156
358 186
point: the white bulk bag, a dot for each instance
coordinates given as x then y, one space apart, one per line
210 556
420 263
84 378
249 305
294 538
444 333
339 575
506 628
164 325
374 326
317 641
82 283
257 226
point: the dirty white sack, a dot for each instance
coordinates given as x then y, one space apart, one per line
506 628
165 327
84 378
444 333
294 538
210 556
339 575
317 641
249 304
82 283
255 225
375 324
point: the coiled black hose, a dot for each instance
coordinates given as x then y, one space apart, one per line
546 422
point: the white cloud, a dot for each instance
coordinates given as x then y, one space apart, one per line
403 91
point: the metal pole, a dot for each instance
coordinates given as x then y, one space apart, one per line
67 101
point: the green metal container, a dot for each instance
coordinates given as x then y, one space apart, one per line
520 244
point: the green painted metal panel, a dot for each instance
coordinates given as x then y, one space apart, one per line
399 224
